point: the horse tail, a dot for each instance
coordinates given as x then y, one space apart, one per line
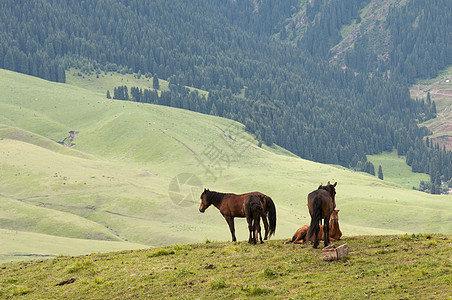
271 213
314 228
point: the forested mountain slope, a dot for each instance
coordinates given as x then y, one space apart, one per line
284 93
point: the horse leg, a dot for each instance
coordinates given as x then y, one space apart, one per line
254 234
258 229
255 226
316 236
250 229
251 237
230 221
264 220
326 230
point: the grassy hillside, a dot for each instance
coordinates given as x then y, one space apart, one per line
396 170
381 267
21 245
102 82
440 89
373 17
136 172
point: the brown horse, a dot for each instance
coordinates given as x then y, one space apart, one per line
321 204
231 206
253 210
299 236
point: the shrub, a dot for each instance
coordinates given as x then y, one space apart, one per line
161 252
255 290
218 283
269 273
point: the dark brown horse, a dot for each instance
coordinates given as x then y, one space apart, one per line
335 233
231 206
254 211
321 204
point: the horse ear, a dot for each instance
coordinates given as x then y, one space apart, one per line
335 184
328 183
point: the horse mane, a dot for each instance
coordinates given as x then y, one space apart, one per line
330 188
216 197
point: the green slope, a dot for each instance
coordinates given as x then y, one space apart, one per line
114 183
440 89
21 245
379 267
396 170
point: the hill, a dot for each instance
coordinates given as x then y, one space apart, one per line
135 173
414 266
438 89
230 50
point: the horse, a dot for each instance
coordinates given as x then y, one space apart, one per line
299 236
231 206
321 204
254 211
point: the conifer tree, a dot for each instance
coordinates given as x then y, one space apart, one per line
155 82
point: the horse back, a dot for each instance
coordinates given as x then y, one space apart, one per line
233 204
323 199
300 234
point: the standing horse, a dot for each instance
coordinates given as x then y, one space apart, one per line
321 204
231 206
253 210
299 236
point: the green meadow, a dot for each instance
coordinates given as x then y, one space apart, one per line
440 89
415 266
396 170
135 172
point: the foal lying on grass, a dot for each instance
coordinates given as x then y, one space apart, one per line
335 232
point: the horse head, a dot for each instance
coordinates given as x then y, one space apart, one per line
335 216
330 188
205 203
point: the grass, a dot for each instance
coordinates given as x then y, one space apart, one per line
136 172
22 246
440 89
415 266
100 82
372 15
396 170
